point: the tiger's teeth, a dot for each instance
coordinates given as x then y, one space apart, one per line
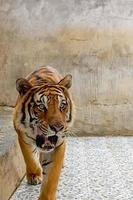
43 145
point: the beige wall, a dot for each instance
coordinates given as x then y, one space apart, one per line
90 39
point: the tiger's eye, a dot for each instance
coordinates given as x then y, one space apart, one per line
42 107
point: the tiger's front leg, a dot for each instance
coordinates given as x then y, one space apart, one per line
33 167
51 170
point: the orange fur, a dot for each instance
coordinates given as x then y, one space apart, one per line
48 190
48 80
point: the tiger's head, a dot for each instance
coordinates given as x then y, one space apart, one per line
44 113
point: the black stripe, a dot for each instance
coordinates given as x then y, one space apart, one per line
70 114
23 113
23 108
26 143
52 88
60 144
34 151
29 107
43 173
40 101
41 92
36 90
40 80
38 77
70 117
32 74
29 137
48 72
43 129
46 163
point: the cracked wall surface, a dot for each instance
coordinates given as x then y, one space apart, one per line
90 39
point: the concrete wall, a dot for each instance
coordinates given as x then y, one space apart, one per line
91 39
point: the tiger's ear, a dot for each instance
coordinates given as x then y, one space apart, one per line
22 86
66 81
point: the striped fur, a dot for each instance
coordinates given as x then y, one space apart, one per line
43 100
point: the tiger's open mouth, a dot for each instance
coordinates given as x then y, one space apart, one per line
46 143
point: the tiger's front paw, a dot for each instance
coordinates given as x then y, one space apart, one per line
34 179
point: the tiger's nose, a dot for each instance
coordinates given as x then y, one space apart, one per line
56 127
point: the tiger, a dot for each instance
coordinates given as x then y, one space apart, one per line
43 114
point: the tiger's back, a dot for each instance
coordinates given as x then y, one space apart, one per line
44 75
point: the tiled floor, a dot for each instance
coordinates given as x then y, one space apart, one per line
96 168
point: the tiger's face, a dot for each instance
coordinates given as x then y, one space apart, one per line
44 113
